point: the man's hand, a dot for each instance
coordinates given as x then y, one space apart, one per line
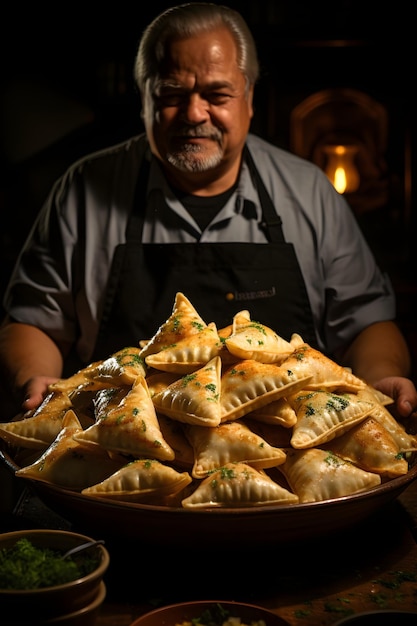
402 391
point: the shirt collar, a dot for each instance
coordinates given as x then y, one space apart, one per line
245 201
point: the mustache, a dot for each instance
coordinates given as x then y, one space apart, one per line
199 131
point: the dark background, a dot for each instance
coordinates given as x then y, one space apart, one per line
67 89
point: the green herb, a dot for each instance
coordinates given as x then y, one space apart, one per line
24 566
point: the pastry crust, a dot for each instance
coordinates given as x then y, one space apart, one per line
228 443
238 485
194 398
131 427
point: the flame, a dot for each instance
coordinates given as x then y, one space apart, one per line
341 169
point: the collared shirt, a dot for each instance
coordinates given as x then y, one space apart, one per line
60 279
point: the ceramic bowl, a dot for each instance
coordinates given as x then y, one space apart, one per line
54 602
174 614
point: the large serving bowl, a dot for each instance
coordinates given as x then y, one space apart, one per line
188 611
221 527
81 595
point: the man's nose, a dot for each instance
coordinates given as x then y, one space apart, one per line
195 109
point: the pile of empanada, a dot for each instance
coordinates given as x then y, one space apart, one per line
197 417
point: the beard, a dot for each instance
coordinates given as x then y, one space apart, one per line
194 158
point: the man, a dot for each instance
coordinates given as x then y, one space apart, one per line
197 205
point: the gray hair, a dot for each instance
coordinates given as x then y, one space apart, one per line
188 20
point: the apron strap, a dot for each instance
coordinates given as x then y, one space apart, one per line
271 224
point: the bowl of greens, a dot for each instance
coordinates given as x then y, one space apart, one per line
46 574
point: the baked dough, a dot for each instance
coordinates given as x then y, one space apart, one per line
188 354
38 428
227 443
370 446
184 321
238 485
249 385
194 398
325 373
322 415
130 428
316 475
69 464
140 480
253 340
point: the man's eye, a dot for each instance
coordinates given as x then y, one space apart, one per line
218 98
169 99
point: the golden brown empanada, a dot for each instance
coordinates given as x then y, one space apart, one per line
77 381
370 446
238 485
188 354
249 385
228 443
316 475
325 373
131 428
253 340
184 321
140 480
39 427
322 415
194 398
69 464
405 441
121 368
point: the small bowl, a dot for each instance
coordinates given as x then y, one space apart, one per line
380 618
186 611
54 602
85 616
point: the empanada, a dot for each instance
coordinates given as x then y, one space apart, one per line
322 415
227 443
370 446
325 373
238 485
140 480
184 321
253 340
194 398
131 428
69 464
121 368
316 475
38 428
249 385
188 354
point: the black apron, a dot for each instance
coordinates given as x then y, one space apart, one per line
219 279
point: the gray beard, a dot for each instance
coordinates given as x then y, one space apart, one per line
186 160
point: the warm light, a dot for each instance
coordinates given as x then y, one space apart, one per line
341 169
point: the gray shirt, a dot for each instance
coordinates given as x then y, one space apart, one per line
60 278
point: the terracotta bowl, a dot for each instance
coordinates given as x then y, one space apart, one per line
174 614
21 606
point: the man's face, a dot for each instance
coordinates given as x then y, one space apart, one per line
199 113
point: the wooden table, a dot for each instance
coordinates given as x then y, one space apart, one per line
373 566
